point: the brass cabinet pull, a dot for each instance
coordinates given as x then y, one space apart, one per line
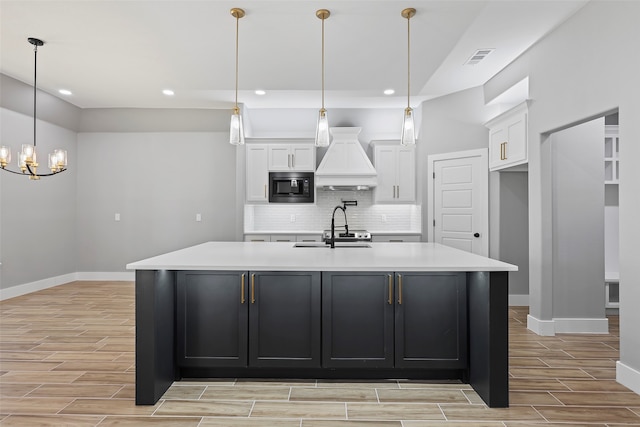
400 289
503 151
293 161
253 289
390 300
265 191
242 290
398 191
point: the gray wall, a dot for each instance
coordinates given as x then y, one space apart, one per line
38 218
157 182
569 85
578 221
514 229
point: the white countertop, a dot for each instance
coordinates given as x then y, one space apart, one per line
283 256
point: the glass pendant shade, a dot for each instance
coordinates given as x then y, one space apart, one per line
5 156
57 160
236 131
408 129
322 130
29 153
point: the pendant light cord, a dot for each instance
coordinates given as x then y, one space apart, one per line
35 76
323 63
409 61
237 31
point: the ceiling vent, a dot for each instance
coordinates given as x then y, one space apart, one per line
478 56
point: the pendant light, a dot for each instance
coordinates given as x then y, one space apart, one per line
27 160
408 136
236 132
322 129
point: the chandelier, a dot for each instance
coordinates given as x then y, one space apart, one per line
27 159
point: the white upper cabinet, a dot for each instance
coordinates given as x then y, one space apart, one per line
292 157
396 168
508 145
257 186
611 154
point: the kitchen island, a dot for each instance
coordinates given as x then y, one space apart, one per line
274 310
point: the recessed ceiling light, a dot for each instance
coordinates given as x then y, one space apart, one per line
261 92
389 91
168 92
64 92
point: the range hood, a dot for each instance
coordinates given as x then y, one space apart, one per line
345 165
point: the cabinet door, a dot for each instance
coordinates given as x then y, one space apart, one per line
257 173
279 157
431 320
284 319
406 175
303 158
497 140
516 148
357 320
385 158
212 318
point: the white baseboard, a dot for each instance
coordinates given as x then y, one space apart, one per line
628 377
117 276
38 285
519 300
541 327
581 326
567 326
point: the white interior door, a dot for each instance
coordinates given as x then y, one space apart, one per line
459 200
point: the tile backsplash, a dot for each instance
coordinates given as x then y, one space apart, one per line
292 218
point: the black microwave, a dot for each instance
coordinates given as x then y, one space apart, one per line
291 187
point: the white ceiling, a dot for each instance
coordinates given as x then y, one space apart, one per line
123 53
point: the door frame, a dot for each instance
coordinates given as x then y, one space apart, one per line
483 154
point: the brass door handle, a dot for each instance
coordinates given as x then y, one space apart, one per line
390 300
253 289
242 290
399 289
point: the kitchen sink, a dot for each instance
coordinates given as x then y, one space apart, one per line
338 245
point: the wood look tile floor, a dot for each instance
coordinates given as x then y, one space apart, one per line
67 359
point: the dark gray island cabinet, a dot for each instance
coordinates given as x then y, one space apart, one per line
329 322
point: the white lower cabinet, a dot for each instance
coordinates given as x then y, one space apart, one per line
282 237
396 237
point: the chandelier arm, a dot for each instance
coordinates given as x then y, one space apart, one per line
31 172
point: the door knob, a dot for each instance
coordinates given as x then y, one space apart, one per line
476 234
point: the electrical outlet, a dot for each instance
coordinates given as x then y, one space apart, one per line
383 218
293 218
198 217
117 217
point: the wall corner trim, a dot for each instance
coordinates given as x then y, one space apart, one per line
628 377
541 327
